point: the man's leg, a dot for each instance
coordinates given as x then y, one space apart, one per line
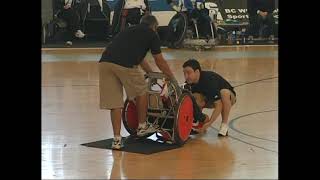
136 87
199 117
270 23
116 121
75 24
142 105
228 99
111 97
65 15
253 26
199 99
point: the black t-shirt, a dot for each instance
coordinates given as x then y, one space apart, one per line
210 84
130 47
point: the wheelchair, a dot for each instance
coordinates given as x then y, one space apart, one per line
170 110
194 29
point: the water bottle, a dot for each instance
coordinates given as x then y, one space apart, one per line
238 37
233 37
243 35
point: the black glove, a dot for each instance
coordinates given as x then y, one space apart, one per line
169 1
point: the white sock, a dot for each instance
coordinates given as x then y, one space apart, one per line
224 124
117 138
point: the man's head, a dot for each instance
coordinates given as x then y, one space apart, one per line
151 21
191 71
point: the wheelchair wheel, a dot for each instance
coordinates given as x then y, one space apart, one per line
178 25
184 119
130 117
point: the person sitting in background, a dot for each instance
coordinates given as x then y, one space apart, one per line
261 13
67 10
128 12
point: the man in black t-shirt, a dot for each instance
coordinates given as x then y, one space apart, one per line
118 68
210 90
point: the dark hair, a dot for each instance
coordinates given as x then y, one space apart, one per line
194 64
149 20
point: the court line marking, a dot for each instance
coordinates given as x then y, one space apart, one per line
231 125
248 143
249 115
250 82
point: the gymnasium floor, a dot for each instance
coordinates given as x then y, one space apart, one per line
71 116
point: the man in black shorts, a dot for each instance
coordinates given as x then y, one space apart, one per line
209 90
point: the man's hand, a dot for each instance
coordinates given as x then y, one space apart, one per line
172 80
163 66
67 6
169 1
145 66
201 130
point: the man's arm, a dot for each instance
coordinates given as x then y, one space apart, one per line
214 116
163 65
146 66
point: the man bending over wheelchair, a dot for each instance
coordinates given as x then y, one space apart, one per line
209 90
118 68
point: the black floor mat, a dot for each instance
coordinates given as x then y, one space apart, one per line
141 146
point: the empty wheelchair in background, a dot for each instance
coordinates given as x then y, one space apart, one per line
192 29
170 110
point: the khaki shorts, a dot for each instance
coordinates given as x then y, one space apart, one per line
200 98
112 79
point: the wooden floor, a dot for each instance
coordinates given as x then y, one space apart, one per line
71 116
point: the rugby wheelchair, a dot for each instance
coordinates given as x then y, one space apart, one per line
170 111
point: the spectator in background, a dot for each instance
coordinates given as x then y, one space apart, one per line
261 13
128 12
67 10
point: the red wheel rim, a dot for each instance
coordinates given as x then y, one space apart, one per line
185 118
132 116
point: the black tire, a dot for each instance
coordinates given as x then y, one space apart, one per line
124 119
181 30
